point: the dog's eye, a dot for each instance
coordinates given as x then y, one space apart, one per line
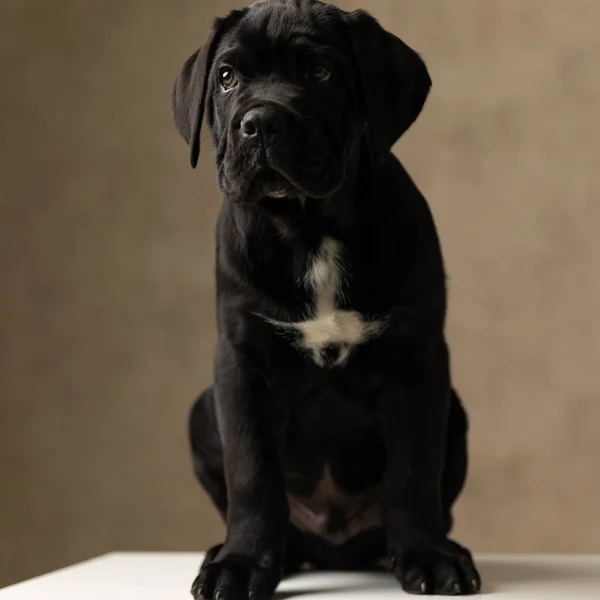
321 73
227 77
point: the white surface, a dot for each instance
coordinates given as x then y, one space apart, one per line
130 576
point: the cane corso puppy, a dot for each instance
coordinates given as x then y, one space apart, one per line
332 437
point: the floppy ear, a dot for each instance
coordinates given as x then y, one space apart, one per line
394 82
188 97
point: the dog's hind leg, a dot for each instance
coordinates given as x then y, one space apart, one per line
207 451
455 468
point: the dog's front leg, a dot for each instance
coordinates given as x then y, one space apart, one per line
413 413
249 564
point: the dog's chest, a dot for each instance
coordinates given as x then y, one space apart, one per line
328 334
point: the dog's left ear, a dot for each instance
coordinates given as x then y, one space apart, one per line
394 80
188 97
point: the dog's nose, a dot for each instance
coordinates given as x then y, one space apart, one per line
263 121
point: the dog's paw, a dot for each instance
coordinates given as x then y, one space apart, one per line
447 569
236 577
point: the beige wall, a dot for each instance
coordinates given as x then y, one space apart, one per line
106 268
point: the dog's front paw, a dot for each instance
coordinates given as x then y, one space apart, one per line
237 577
446 569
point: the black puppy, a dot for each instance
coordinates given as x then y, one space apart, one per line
332 436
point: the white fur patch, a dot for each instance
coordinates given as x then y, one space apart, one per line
330 334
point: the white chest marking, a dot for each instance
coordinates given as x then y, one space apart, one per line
329 334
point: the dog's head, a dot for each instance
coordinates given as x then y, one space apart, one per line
290 88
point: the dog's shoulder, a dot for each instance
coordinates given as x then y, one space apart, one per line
402 205
399 237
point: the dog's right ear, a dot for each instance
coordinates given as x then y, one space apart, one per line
188 97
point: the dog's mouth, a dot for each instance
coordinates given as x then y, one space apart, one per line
279 180
272 183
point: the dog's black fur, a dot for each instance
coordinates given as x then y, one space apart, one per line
337 454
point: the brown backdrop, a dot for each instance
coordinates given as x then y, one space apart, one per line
106 258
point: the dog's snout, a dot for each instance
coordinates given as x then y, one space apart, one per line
263 121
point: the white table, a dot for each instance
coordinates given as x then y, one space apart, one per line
153 576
